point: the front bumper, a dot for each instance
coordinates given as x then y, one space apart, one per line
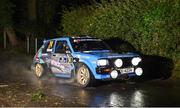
108 73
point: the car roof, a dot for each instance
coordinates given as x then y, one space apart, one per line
72 37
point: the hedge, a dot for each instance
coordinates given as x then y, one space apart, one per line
151 26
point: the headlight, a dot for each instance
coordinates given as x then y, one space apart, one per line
135 61
102 62
118 63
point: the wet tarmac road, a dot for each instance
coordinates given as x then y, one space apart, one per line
151 93
145 93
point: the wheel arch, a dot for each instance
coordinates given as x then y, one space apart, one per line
87 65
43 64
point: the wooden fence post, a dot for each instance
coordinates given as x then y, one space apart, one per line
28 44
36 45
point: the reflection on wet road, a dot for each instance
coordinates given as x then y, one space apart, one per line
152 93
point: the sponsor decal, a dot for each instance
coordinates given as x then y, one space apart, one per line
64 67
50 44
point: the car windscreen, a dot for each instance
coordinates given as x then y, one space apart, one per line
89 45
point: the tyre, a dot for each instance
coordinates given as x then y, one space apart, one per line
39 70
84 77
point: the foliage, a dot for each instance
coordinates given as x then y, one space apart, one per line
6 11
75 22
176 70
151 26
37 96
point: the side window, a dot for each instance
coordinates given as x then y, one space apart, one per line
61 47
48 47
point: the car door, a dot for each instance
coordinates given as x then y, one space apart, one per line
61 60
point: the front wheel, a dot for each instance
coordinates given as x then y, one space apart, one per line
83 76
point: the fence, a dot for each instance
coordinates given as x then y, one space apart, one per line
29 44
1 40
33 44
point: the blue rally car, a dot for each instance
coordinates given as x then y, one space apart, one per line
86 59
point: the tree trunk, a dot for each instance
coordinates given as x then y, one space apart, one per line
32 16
11 35
5 39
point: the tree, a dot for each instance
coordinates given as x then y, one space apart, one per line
35 18
32 14
47 16
6 11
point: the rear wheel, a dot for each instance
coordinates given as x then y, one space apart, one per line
39 70
83 76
